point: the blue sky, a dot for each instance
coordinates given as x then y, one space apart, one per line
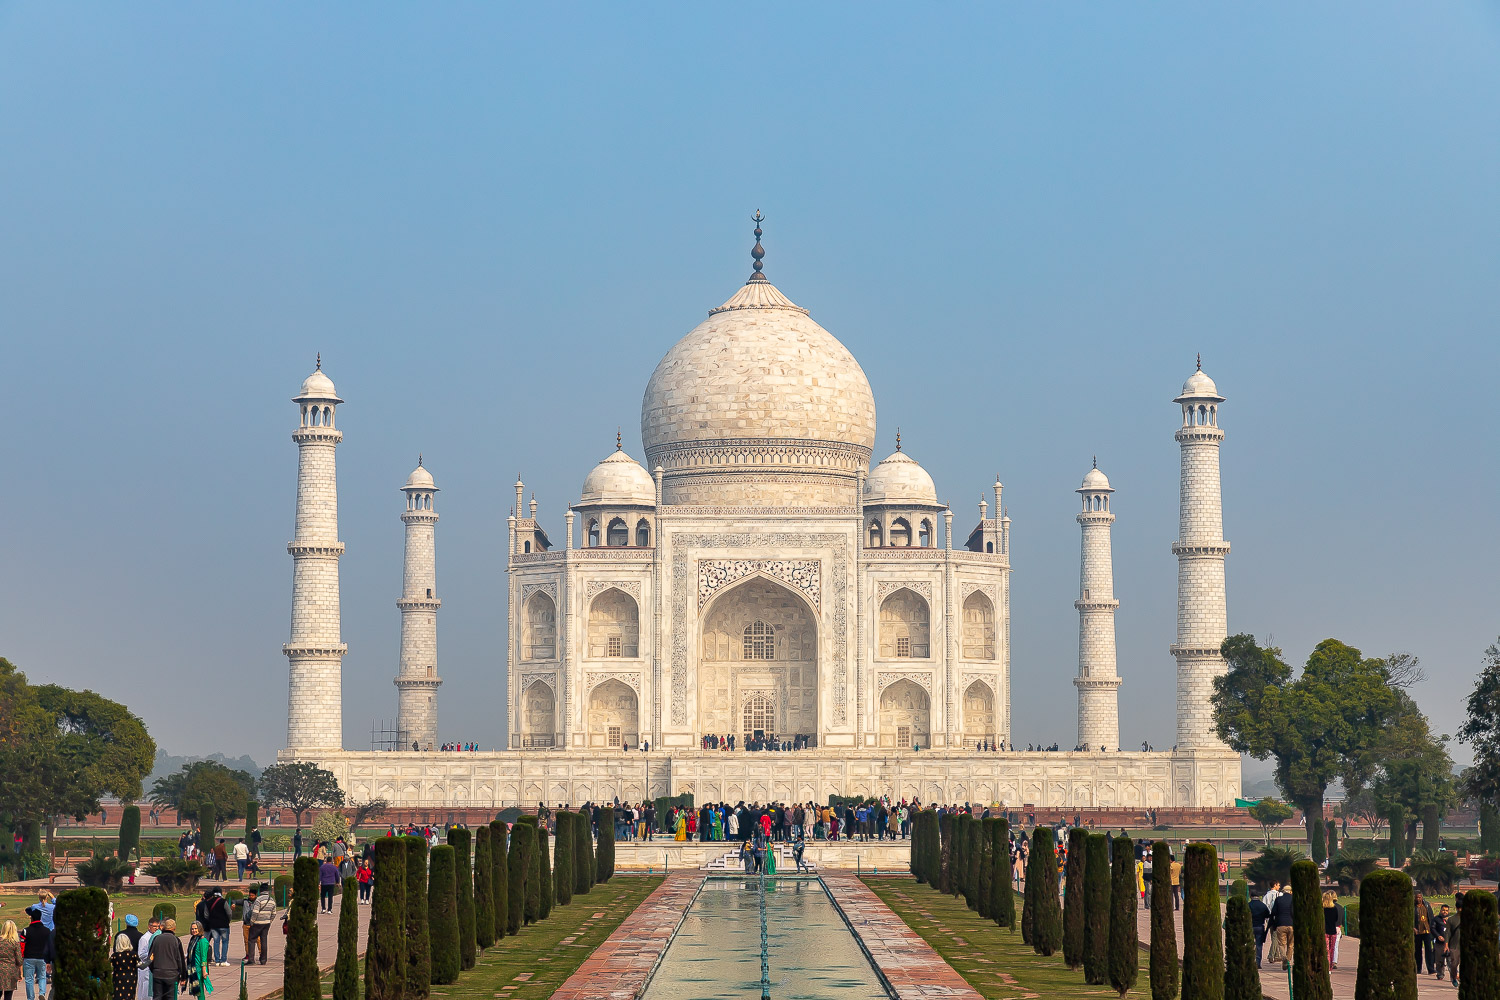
493 220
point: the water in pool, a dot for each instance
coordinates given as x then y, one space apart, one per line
716 953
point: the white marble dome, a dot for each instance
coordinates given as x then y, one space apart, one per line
1199 386
755 387
899 479
1095 482
318 386
619 479
420 479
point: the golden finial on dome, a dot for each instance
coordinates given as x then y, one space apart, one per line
319 366
619 441
898 439
758 251
1200 361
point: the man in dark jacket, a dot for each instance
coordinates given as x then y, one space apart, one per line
1281 924
1260 916
1422 933
168 963
37 954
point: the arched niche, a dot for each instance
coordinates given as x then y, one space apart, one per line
905 716
758 638
539 629
979 627
905 629
614 715
614 625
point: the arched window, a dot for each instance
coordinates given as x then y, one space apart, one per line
1213 416
900 532
760 641
989 546
527 547
317 415
642 533
759 714
1202 414
618 533
304 414
593 533
924 534
876 535
327 416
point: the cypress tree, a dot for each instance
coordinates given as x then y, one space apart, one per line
463 877
80 967
1002 898
484 903
958 860
300 969
544 872
1124 942
1386 970
1046 921
564 851
500 854
606 862
442 916
945 854
592 829
1202 935
1397 820
973 854
252 820
207 820
1432 830
1479 971
917 846
1163 927
1096 911
986 866
1489 831
517 862
1319 838
346 960
1309 949
1241 977
533 897
1073 894
582 860
418 915
385 949
130 831
1028 894
932 848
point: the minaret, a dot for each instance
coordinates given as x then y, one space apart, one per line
1202 622
1097 681
315 654
416 678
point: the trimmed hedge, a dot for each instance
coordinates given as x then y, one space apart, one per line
442 916
281 889
582 855
1002 898
300 972
484 903
517 862
1124 942
1309 949
1397 820
1202 935
1073 897
1318 847
81 969
346 960
917 845
207 820
385 950
544 872
1046 921
945 854
532 899
130 831
500 876
1479 960
986 866
1386 970
958 859
1096 911
932 847
974 855
563 873
1164 970
1241 976
605 864
1028 894
418 933
463 876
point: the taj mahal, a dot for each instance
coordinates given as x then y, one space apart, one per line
759 577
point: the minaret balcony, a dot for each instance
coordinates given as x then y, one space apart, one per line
419 604
315 548
317 435
1199 434
1203 651
1088 605
1200 549
1097 682
308 649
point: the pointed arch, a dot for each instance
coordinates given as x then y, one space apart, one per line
614 625
539 715
614 715
758 638
979 627
900 532
905 716
539 630
905 626
978 714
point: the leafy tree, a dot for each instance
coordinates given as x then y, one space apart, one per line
1096 910
484 904
605 862
1163 925
81 969
1046 921
1352 864
1124 941
1386 971
300 972
300 786
1202 940
364 812
1396 816
1319 727
346 962
1479 968
1270 813
1415 772
1362 808
1241 974
442 916
1481 731
463 873
500 876
418 915
1309 950
209 786
385 951
1489 828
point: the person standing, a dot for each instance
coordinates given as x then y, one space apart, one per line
199 984
168 963
328 880
241 858
1260 916
297 844
1281 924
1333 926
263 912
10 959
1454 934
1422 933
122 968
143 960
1441 932
221 859
47 903
1177 884
36 956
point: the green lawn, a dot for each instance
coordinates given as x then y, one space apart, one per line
992 959
542 957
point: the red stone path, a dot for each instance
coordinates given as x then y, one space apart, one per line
619 968
908 963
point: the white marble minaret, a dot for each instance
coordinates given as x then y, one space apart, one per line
1098 681
1202 619
416 679
315 654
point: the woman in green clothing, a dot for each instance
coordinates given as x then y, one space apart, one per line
197 963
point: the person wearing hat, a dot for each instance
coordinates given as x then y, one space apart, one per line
132 930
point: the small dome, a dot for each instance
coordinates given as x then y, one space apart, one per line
899 479
1199 386
1095 482
420 479
318 386
619 479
